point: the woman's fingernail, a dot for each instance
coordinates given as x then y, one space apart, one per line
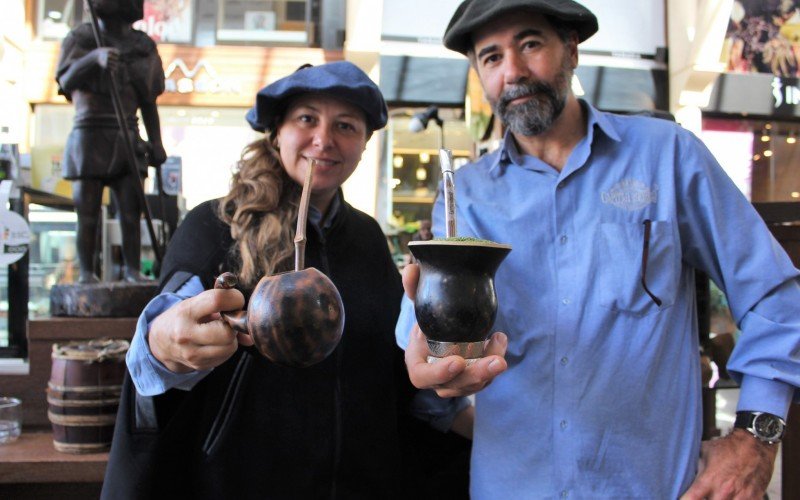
495 367
453 367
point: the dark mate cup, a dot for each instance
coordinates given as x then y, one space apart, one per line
456 302
295 318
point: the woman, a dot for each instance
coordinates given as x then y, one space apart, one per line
212 418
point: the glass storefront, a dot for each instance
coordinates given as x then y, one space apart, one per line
174 21
761 156
412 172
284 21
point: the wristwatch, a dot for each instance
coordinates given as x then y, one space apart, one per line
766 427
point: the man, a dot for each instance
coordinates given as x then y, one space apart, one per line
608 217
95 155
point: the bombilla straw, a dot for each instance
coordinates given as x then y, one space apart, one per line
446 163
302 216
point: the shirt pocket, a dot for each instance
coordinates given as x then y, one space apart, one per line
619 284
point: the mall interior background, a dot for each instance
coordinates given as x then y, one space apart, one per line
696 61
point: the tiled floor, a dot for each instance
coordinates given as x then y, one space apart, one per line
726 414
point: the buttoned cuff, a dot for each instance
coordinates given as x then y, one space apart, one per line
771 396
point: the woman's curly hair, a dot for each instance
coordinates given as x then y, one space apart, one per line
261 209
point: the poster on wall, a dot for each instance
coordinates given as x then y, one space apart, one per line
764 37
168 21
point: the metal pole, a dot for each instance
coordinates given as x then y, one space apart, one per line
116 101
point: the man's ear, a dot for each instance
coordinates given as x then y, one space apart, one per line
572 44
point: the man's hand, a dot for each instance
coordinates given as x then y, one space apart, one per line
738 466
450 376
190 336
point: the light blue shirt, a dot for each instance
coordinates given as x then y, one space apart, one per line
602 397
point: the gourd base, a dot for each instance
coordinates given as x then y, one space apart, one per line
471 351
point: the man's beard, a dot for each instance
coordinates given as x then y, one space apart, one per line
537 114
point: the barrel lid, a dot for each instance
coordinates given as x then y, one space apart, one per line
91 350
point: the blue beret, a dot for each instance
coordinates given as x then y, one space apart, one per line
472 14
341 79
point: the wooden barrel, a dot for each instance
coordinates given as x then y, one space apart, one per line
83 393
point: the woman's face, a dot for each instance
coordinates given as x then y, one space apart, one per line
328 130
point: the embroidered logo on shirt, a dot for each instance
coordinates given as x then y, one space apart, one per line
630 194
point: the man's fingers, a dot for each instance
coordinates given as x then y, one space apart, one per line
474 377
410 280
426 375
698 491
497 345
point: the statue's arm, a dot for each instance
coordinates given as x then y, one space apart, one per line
87 67
152 124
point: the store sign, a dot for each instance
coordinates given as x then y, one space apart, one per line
785 91
15 235
200 79
167 20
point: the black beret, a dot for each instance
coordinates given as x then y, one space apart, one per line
472 14
341 79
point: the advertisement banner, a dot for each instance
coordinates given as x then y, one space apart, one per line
168 21
764 37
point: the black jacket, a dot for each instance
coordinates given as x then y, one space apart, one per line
254 429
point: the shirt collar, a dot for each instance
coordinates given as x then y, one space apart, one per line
315 216
509 151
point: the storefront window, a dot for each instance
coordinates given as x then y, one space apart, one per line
281 21
413 172
168 21
57 17
760 156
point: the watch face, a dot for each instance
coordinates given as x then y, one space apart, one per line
768 426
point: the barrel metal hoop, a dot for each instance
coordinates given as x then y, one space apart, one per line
82 420
79 403
80 448
84 388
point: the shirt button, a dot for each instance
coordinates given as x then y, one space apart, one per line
565 301
564 494
563 424
564 360
564 239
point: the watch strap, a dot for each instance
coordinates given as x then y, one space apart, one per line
744 419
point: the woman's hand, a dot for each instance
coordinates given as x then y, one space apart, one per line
191 335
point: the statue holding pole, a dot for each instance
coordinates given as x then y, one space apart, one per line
109 70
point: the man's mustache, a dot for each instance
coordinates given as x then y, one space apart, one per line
525 89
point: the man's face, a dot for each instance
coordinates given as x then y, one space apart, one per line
525 69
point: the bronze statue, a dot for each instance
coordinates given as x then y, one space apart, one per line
95 154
